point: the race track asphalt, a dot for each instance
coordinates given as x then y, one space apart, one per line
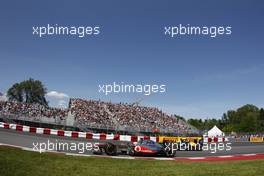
24 139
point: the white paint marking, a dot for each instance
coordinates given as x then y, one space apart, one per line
164 159
226 156
29 149
196 158
253 154
122 157
77 154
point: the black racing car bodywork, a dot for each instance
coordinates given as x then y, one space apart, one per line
142 148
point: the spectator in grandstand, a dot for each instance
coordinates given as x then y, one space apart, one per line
106 114
30 110
99 114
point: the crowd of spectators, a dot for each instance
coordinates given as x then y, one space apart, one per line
128 116
99 114
12 108
90 113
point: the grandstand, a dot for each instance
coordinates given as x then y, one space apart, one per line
94 115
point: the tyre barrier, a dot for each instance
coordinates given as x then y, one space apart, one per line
77 134
103 136
214 139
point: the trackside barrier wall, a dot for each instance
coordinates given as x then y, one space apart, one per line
102 136
256 139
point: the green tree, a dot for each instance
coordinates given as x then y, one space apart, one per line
15 93
224 119
248 123
196 123
261 119
246 118
29 91
180 118
228 128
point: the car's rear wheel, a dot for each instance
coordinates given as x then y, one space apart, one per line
110 149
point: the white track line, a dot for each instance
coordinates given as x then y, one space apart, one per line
29 149
253 154
77 154
165 159
123 157
196 158
225 156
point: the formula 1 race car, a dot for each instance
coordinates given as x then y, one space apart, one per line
141 148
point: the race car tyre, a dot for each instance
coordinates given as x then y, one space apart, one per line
169 149
110 149
98 152
131 152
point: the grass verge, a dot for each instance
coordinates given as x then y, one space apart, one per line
18 162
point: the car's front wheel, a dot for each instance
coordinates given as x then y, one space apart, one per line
169 149
131 151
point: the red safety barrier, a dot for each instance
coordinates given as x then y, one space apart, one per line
46 131
215 139
117 137
102 136
157 139
32 129
134 138
6 126
60 133
89 136
19 127
146 137
74 134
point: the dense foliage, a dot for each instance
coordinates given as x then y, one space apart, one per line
248 118
29 91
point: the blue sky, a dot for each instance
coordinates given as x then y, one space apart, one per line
204 76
